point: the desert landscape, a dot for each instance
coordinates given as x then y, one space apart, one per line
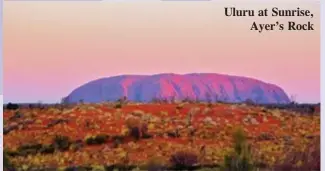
161 135
157 86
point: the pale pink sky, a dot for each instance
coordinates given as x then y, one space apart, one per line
50 48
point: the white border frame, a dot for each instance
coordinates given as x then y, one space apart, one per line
322 74
1 84
1 110
322 78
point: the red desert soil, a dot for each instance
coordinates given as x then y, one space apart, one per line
214 126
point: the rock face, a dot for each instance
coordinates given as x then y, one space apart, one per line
145 88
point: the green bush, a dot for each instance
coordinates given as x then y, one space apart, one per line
240 159
61 143
98 139
6 163
27 149
47 149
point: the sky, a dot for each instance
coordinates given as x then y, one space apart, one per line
51 48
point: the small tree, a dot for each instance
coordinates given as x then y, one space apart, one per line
122 100
240 159
11 106
293 99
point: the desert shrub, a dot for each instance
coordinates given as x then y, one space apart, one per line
70 168
30 106
147 136
9 128
56 121
173 134
296 160
155 164
120 102
17 115
240 158
12 106
135 133
183 160
191 131
144 128
120 167
27 149
144 132
78 168
180 106
7 166
118 106
208 169
6 163
98 139
47 149
61 143
10 153
137 128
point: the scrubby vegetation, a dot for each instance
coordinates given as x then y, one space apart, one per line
183 160
188 135
240 158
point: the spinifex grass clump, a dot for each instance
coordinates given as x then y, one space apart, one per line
7 166
47 149
27 149
156 164
61 143
183 160
136 128
98 139
240 159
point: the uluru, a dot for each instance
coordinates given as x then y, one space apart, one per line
198 86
